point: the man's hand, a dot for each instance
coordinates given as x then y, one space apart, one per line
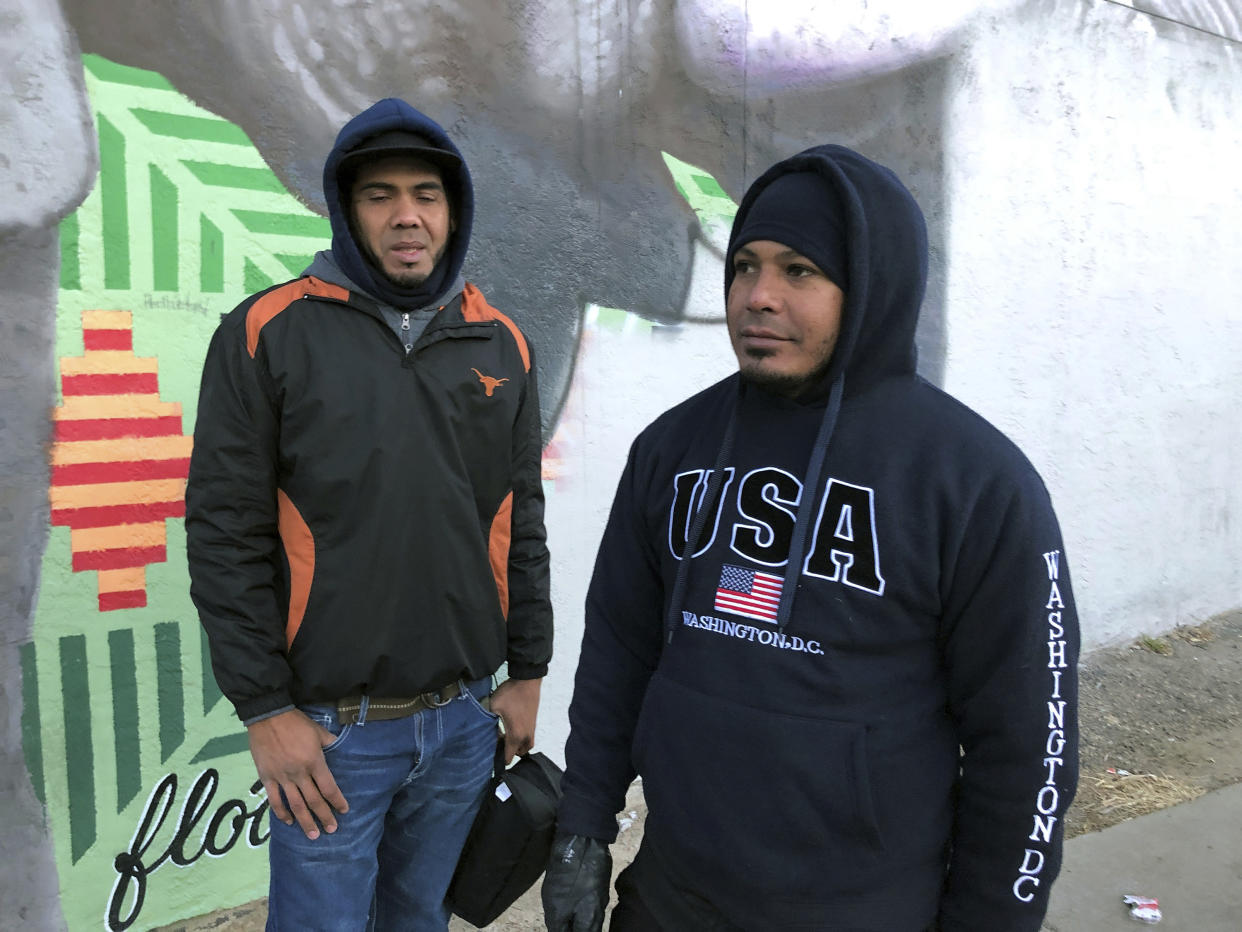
517 703
575 886
288 752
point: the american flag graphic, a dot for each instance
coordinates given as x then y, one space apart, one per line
748 593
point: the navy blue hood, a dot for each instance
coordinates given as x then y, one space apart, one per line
886 257
387 115
886 249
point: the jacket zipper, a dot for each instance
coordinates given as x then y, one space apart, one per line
405 319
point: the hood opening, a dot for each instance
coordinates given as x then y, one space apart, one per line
885 245
392 127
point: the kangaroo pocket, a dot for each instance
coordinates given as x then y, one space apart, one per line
752 803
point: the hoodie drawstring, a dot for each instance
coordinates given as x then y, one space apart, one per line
806 504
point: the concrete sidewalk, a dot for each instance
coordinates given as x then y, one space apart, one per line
1189 857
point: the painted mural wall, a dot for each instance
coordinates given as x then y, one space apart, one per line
141 764
161 160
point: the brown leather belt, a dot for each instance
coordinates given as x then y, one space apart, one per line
380 709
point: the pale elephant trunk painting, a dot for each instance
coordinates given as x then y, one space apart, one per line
1075 204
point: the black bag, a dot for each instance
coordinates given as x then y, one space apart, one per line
508 845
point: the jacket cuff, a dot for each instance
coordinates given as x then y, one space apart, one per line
260 707
520 670
573 817
266 715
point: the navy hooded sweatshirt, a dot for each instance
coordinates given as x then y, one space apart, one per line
880 734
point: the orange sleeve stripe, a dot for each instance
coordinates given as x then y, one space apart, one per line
474 307
299 546
498 550
272 303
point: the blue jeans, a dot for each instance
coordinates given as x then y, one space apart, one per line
413 786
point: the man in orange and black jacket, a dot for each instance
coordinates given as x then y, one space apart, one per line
365 535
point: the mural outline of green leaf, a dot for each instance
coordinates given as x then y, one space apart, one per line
184 221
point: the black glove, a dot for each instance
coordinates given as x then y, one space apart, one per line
575 887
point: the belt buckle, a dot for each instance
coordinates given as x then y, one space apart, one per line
433 699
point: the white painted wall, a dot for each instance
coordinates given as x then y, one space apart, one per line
1093 265
1080 172
606 409
1095 259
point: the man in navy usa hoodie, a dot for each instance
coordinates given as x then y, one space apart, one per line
830 623
365 533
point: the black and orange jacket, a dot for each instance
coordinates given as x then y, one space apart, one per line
359 519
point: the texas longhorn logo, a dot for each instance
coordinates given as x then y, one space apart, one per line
489 383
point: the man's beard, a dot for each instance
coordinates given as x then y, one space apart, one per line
781 383
410 279
404 279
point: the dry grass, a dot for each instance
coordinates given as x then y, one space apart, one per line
1157 645
1118 796
1195 634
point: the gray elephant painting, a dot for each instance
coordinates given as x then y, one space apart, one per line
563 110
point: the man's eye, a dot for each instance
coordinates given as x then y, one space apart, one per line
799 271
741 267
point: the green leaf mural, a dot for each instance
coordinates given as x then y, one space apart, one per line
143 767
714 208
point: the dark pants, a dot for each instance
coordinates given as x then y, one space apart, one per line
631 913
648 900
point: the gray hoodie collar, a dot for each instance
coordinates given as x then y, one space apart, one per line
324 267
